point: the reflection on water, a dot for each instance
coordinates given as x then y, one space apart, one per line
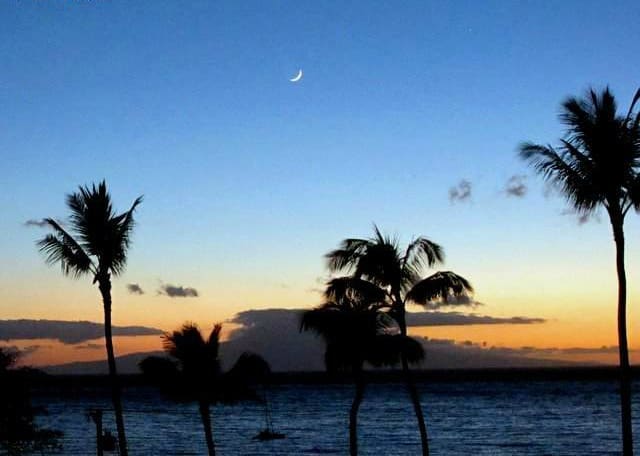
492 418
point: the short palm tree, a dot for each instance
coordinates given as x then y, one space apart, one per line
196 373
96 243
357 330
398 273
597 164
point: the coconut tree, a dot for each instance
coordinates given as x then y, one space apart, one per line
193 373
94 241
357 330
398 273
597 164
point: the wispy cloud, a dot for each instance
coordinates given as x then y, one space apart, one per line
134 288
178 291
516 186
35 223
460 192
580 217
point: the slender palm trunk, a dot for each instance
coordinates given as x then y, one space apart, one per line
625 369
206 422
408 378
105 290
353 413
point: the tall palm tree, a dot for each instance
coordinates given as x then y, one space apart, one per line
96 243
356 330
597 164
196 373
398 273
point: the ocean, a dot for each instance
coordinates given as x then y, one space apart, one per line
463 418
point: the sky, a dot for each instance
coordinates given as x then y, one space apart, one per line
249 179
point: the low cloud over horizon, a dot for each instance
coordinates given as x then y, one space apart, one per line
66 332
436 318
275 334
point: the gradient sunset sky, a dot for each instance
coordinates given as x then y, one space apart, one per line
250 179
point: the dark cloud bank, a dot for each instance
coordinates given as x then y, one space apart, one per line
275 334
67 332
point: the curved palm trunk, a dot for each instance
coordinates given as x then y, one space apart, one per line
625 370
206 422
411 386
105 290
353 413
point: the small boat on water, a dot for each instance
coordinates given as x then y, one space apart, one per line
268 433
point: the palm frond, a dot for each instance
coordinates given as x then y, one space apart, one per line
439 286
632 106
186 344
62 248
354 292
422 253
575 185
634 193
213 341
346 257
122 227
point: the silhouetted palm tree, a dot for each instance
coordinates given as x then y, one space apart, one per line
381 262
356 330
96 243
197 374
596 165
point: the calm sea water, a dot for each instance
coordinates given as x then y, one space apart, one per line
466 418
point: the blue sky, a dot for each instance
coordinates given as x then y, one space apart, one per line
248 178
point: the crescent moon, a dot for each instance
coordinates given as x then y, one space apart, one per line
297 77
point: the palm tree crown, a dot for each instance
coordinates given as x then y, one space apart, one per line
197 356
98 239
193 371
380 261
598 160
